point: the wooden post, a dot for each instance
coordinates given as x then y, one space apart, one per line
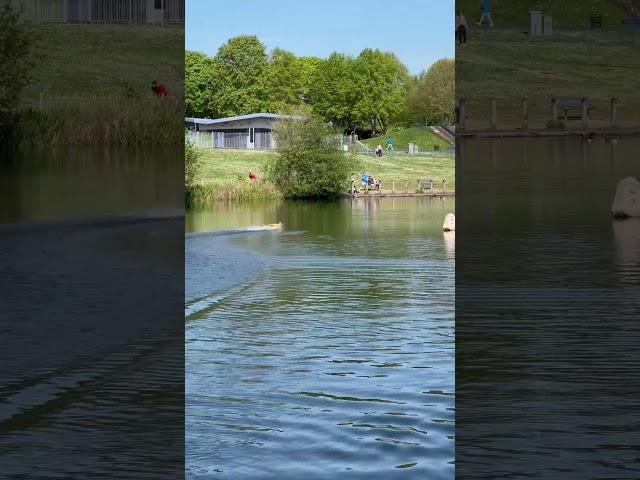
494 114
431 186
406 186
614 112
462 112
393 186
444 187
525 114
554 109
585 114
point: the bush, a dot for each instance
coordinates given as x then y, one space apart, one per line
192 162
16 57
309 162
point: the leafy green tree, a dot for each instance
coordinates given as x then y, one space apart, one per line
197 85
381 85
432 93
284 80
238 85
310 162
334 91
16 65
308 67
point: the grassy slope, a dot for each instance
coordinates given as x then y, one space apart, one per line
224 167
571 63
421 136
566 13
105 59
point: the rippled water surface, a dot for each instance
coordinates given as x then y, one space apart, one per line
325 350
91 362
547 302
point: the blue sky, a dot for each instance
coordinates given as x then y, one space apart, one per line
419 32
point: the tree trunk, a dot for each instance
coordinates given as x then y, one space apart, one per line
384 125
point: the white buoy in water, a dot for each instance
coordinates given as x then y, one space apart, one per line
626 203
449 224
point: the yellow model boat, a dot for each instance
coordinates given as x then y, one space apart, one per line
271 226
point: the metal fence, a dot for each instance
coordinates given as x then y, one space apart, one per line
104 11
232 140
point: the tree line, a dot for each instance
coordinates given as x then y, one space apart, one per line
366 93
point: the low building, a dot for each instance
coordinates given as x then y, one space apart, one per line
104 11
253 131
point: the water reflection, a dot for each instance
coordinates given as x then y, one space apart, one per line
627 242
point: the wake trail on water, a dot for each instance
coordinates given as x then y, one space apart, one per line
217 268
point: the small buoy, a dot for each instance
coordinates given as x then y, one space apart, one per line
449 224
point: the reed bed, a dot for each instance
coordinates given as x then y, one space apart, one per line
135 122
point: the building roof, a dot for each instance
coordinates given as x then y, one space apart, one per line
212 121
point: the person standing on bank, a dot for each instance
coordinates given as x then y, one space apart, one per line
159 89
485 8
461 28
389 143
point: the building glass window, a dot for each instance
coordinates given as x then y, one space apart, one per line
157 4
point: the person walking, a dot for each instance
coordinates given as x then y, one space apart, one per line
485 8
379 151
389 143
461 28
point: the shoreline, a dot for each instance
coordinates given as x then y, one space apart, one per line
400 195
519 133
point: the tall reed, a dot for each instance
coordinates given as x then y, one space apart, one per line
134 122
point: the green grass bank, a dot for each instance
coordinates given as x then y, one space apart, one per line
99 91
223 174
105 60
570 63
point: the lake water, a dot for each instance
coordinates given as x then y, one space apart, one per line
323 351
547 302
89 240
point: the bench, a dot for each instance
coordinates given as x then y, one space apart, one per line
570 104
424 183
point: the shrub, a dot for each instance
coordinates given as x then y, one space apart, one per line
309 162
192 160
16 65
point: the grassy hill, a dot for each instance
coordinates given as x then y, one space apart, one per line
421 136
566 13
504 64
106 59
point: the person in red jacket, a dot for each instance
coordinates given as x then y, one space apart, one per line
159 89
